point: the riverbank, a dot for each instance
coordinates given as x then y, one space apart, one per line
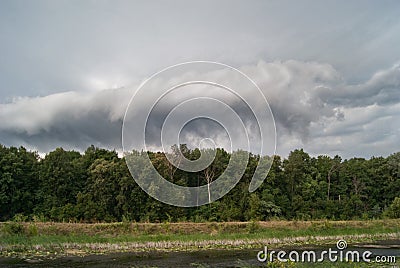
54 240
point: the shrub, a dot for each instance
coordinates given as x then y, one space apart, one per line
393 211
32 230
20 217
13 228
252 227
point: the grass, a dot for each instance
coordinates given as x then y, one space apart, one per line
60 239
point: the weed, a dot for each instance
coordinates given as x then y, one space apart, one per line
253 227
13 228
32 230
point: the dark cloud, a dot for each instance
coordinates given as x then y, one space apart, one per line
312 104
382 89
72 120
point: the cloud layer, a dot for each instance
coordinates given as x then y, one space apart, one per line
313 105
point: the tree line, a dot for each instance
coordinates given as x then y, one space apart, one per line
96 186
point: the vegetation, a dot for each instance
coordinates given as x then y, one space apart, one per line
66 186
31 239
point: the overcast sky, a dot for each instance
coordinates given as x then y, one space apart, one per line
329 69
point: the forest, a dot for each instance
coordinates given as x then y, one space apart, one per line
96 186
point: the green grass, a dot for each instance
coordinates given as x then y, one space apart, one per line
59 238
257 234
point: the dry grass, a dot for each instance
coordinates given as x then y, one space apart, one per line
187 228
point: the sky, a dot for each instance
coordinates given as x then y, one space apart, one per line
329 69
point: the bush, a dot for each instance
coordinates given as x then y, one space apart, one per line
20 218
393 211
13 228
39 218
252 227
17 228
32 230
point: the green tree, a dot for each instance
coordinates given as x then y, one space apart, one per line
18 181
61 177
296 169
104 198
393 211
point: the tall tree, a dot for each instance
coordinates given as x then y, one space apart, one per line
61 177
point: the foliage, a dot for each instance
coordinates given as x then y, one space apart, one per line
96 186
393 211
13 228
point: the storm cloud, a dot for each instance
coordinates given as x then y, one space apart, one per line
330 70
312 104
